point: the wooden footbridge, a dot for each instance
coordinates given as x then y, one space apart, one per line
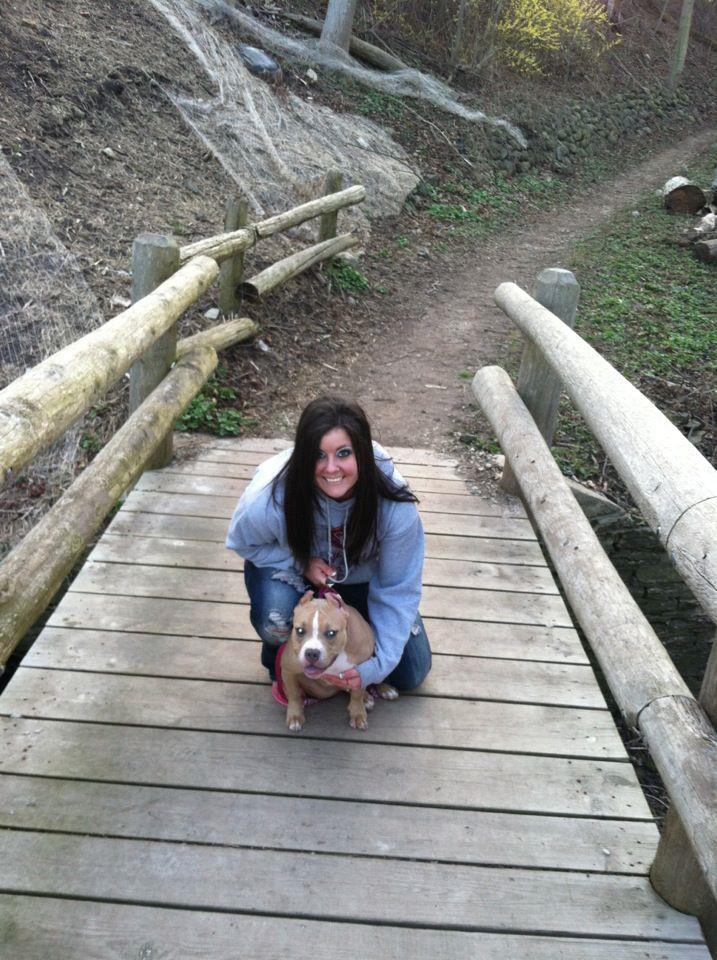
153 804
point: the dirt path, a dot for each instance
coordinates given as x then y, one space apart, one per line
408 380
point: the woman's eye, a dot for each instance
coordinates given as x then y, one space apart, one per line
330 634
346 452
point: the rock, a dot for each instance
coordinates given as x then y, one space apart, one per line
258 62
312 76
109 152
212 313
425 253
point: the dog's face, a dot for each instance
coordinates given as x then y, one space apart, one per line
319 634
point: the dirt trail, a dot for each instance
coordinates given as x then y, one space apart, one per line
409 384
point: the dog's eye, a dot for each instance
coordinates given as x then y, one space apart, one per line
300 631
330 634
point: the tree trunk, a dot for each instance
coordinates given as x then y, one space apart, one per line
681 44
681 196
706 250
338 23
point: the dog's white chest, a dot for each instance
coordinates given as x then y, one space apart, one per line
340 664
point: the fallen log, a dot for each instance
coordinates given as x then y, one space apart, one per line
706 250
220 337
681 196
277 273
32 573
357 48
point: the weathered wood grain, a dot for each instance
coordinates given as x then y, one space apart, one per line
219 580
557 684
377 830
179 551
249 708
147 513
102 931
453 896
414 775
462 639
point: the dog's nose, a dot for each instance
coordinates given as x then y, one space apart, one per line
312 655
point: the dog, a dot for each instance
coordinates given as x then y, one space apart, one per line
328 636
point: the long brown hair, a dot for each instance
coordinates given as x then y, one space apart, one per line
300 491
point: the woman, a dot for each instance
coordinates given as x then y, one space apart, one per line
333 511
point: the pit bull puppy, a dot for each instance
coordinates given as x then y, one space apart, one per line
328 637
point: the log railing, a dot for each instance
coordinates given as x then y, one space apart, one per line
676 490
38 407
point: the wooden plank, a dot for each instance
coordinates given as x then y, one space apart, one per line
176 551
220 580
224 587
215 463
236 819
193 618
199 505
152 653
445 483
171 480
292 765
396 892
42 927
249 708
149 517
469 678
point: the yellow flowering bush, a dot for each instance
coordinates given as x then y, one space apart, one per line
536 36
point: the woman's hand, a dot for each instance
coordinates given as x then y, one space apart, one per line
347 680
317 571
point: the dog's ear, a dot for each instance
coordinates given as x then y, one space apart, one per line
309 595
334 599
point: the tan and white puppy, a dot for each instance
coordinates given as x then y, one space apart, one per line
327 637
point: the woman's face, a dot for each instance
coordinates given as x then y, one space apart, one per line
336 469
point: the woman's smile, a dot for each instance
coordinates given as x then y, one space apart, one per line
336 469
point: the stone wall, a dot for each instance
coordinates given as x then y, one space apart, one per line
562 138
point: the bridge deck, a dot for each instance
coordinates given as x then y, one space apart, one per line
153 805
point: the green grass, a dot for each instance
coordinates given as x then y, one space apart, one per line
648 306
209 410
347 278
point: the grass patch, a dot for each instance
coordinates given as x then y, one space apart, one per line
347 278
210 410
648 306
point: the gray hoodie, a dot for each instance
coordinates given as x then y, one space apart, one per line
393 570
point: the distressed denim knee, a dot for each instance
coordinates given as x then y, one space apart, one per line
273 594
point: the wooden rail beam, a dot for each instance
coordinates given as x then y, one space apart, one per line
226 245
33 572
672 483
38 407
255 287
644 681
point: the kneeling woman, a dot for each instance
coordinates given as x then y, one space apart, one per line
333 511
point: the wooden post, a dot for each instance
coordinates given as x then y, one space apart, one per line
154 259
231 272
538 387
327 223
675 873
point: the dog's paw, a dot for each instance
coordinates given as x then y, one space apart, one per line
383 691
368 701
295 722
359 722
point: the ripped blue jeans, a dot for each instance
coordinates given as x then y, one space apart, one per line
274 594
